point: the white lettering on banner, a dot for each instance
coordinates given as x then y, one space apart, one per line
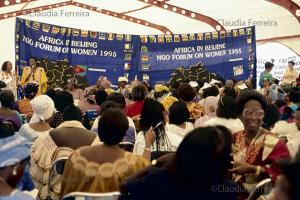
184 50
215 53
27 40
89 52
163 57
210 51
75 43
47 47
182 56
199 55
51 40
215 47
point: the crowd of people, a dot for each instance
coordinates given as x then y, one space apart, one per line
182 140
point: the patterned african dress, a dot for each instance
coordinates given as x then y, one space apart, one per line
263 151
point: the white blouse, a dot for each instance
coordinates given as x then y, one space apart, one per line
31 134
234 125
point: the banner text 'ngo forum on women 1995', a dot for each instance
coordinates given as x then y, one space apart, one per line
67 52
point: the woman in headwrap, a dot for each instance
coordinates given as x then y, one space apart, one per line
210 107
14 158
43 109
76 92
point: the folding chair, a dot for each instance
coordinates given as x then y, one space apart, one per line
127 146
263 187
137 124
9 125
92 196
57 168
157 154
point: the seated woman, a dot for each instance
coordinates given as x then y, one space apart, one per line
138 96
210 107
153 138
287 185
62 99
255 149
187 93
30 91
195 171
14 158
59 142
226 115
102 167
119 101
76 92
7 100
43 108
178 125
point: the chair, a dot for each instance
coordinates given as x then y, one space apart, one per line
57 168
92 196
127 146
137 123
157 154
9 125
263 187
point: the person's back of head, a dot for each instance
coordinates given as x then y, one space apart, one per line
271 116
230 91
112 126
294 95
117 98
227 108
152 113
268 65
7 98
186 92
138 93
51 93
72 113
100 97
203 157
31 90
178 113
280 103
62 100
289 179
210 91
107 105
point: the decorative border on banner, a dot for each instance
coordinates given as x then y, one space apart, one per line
187 37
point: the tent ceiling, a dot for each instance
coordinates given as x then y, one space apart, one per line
275 21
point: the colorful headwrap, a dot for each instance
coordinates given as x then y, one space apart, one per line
13 149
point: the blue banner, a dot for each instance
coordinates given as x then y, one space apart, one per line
66 52
229 54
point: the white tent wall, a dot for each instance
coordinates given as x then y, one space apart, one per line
277 53
7 40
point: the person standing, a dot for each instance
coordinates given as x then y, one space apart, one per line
267 73
290 75
9 77
34 74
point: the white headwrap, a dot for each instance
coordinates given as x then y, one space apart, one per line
43 108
